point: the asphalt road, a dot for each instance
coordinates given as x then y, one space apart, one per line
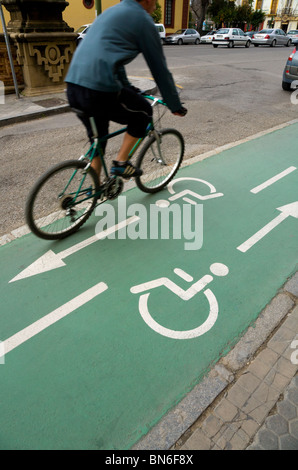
231 94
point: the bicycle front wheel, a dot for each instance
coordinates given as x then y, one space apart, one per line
62 200
160 160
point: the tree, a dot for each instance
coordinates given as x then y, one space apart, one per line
157 14
257 17
199 9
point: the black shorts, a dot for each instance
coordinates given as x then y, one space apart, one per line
124 107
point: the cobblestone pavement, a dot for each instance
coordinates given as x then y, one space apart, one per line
280 430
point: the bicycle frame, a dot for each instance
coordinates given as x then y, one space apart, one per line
96 149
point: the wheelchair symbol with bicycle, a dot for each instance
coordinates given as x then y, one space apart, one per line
217 269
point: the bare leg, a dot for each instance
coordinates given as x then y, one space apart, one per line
96 165
128 142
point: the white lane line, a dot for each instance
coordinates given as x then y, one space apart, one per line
273 180
48 320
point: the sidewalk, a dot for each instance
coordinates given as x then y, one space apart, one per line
249 400
19 110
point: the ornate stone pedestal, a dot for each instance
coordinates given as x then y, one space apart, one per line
44 43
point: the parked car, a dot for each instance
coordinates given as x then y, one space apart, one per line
184 36
271 37
81 32
290 73
161 31
207 39
293 35
230 37
250 33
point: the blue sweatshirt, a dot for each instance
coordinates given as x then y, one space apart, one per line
115 38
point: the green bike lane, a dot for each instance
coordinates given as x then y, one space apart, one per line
84 368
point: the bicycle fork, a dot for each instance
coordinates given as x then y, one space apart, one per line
159 158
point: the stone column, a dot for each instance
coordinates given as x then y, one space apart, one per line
44 43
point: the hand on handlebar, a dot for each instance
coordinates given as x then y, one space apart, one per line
181 112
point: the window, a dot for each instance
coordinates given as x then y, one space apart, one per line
273 7
169 13
88 3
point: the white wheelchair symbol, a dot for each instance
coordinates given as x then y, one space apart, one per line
213 193
218 269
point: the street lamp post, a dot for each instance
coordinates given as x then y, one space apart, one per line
9 52
98 7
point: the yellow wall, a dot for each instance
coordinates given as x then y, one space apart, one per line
76 14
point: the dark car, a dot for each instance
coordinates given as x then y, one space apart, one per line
290 73
250 33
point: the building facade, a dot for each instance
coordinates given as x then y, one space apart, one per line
281 14
174 13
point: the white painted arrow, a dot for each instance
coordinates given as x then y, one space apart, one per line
51 260
285 211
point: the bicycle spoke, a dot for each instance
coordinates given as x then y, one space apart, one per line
61 201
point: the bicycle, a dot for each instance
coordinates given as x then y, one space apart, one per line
63 198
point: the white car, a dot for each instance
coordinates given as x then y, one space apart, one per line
230 37
161 31
207 39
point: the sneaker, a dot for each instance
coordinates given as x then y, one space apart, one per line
125 169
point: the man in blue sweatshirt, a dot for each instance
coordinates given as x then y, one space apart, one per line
97 82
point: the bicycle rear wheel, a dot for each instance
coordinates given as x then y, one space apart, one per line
61 200
160 160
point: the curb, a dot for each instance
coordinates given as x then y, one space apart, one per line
35 115
139 82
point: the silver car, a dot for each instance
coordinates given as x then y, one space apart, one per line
271 37
290 73
293 34
183 36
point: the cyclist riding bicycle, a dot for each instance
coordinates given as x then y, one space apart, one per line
97 83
